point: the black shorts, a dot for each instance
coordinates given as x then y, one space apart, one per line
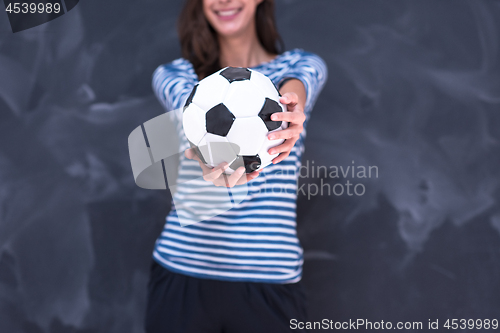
179 303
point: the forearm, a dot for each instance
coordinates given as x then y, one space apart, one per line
297 87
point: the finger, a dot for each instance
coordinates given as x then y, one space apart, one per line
289 133
285 146
215 173
226 181
235 177
290 105
289 98
249 177
254 174
205 169
219 182
281 157
222 180
191 154
294 117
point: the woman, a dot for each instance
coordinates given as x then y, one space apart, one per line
240 270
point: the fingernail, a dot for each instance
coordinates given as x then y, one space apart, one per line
274 117
272 151
272 137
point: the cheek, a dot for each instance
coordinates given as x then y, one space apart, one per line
251 10
254 4
206 10
210 17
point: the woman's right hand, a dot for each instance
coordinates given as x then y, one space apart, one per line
216 175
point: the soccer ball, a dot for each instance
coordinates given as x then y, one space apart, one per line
227 118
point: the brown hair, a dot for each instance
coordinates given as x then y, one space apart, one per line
199 43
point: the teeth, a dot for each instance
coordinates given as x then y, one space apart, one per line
228 12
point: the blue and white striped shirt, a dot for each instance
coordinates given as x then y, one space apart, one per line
256 240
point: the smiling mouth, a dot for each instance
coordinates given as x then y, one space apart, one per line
226 13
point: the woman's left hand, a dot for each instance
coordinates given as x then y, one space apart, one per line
295 117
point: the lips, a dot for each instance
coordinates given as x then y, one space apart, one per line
227 13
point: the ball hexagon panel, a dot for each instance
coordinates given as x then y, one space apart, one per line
193 122
251 163
248 134
210 92
236 74
244 99
219 120
267 110
265 85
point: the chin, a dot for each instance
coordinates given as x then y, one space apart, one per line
229 32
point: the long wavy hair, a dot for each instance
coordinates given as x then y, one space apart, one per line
199 43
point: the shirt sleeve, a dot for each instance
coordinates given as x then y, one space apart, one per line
172 83
311 70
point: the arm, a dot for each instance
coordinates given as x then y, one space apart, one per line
172 83
300 89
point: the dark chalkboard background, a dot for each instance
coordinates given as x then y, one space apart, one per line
414 89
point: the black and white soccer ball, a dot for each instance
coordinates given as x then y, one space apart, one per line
227 118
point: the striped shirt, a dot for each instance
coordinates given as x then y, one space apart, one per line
256 239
